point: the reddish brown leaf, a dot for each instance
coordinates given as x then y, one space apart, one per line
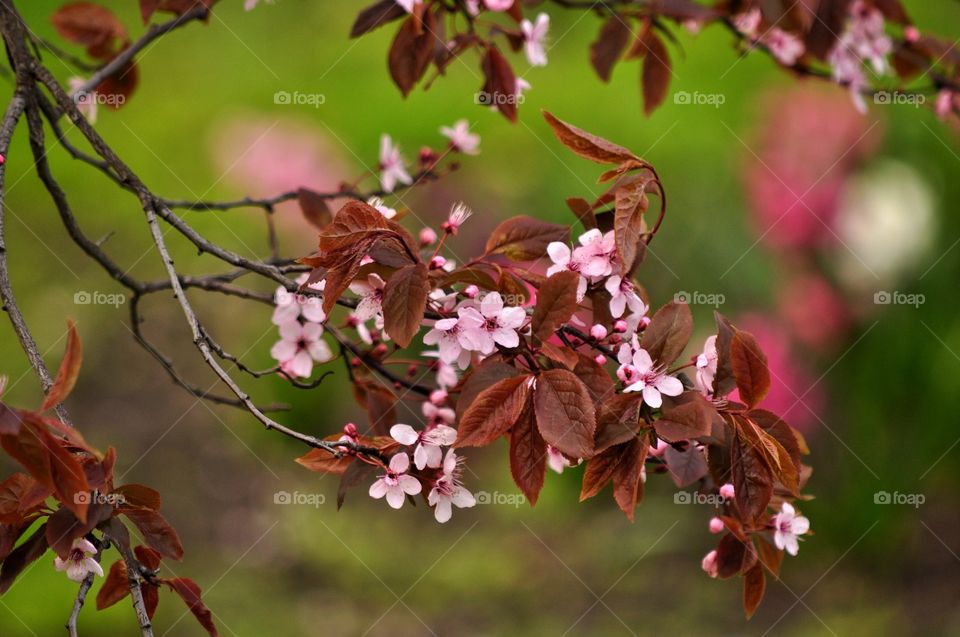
668 333
377 14
753 484
609 46
500 83
190 593
355 222
583 210
560 354
685 417
322 461
628 476
770 556
9 421
628 225
525 238
749 365
22 556
556 303
528 456
587 145
157 532
724 381
734 556
565 413
685 467
487 373
115 586
139 495
405 301
411 52
314 208
618 420
656 72
87 24
63 527
13 490
599 471
148 557
68 372
494 412
596 378
754 585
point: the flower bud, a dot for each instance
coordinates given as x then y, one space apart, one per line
350 429
644 322
471 291
620 326
716 525
598 332
428 236
727 492
709 563
600 359
437 262
438 396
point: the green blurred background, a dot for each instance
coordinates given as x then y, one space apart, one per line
888 422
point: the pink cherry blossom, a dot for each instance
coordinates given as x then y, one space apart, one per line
563 260
498 324
596 254
783 45
80 561
395 483
291 306
727 492
535 35
864 38
371 297
716 525
385 210
461 139
709 563
299 347
707 366
448 491
392 167
437 414
556 460
408 5
748 23
457 217
623 295
788 526
454 337
427 452
646 377
498 5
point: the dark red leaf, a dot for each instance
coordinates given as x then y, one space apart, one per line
68 372
668 333
556 303
494 412
22 556
749 365
524 238
565 413
528 456
610 44
405 301
377 14
157 532
587 145
115 586
190 593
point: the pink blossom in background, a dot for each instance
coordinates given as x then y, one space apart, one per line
790 379
809 141
813 311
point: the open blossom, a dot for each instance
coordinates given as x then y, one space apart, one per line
395 484
291 306
748 23
382 208
707 366
454 337
299 347
783 45
461 139
556 460
498 5
623 296
371 297
427 452
865 38
448 491
563 259
645 377
457 217
437 414
392 167
498 324
787 527
80 561
535 35
596 253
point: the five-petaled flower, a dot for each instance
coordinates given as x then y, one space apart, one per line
534 36
498 325
371 297
80 561
647 377
392 167
448 491
428 452
454 337
461 139
299 347
622 296
787 527
395 483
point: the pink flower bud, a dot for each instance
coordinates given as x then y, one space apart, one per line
600 359
438 396
471 291
428 237
620 326
716 525
350 429
3 160
437 262
911 33
709 563
598 332
380 350
727 492
644 322
615 339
